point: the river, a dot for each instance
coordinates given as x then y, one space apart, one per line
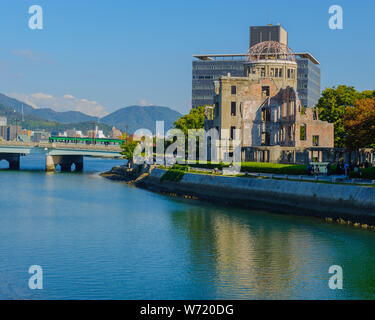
99 239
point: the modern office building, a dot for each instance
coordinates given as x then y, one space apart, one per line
3 128
308 80
3 133
13 132
209 68
268 33
40 136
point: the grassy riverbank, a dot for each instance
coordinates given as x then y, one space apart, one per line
259 167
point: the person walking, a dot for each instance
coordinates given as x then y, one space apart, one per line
347 169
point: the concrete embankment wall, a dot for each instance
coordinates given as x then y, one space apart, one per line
354 203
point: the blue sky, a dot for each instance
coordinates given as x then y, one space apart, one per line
98 55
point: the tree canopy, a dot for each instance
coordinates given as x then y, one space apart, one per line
359 124
333 105
128 149
193 120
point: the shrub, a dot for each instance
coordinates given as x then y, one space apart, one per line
260 167
209 165
277 168
176 173
368 173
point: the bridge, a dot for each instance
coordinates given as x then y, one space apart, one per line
63 154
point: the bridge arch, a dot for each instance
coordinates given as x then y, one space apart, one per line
12 158
65 163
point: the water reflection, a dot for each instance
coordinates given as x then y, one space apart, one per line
256 255
98 239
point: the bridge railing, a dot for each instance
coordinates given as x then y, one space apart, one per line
72 146
18 144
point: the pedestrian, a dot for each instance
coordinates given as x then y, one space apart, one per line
347 169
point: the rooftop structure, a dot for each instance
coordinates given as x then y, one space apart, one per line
244 56
270 50
260 34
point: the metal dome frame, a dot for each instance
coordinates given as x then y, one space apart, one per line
270 50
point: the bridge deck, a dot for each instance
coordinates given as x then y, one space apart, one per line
60 148
73 146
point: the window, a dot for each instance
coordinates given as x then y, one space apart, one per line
266 139
289 131
233 108
315 141
233 90
315 115
265 91
283 109
288 73
302 132
216 110
266 115
232 132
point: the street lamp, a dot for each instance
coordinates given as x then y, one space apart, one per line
15 114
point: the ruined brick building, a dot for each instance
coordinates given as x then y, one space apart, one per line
264 105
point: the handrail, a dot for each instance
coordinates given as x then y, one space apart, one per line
61 146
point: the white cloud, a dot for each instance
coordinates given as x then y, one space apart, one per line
65 103
28 54
41 96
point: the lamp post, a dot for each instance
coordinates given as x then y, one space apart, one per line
15 114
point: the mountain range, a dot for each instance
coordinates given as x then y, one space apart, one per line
133 118
45 113
127 119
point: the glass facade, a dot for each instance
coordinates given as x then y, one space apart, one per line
205 72
308 85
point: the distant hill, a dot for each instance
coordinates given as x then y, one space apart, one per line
32 122
139 117
45 113
63 117
129 118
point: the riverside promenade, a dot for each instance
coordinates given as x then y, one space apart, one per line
353 203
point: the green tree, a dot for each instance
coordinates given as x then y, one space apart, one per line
359 123
128 150
334 105
367 94
332 108
193 120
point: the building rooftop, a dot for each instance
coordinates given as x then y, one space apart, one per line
243 56
239 56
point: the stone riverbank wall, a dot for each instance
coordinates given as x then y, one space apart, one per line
347 202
